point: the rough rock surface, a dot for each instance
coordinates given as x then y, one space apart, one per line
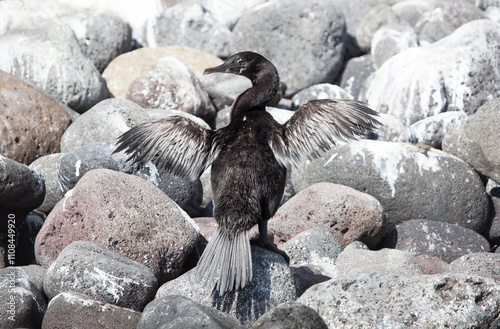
120 73
177 312
290 315
272 284
31 123
47 167
431 130
443 240
170 84
410 181
320 91
482 146
440 79
484 264
318 26
105 121
109 208
73 310
382 300
349 215
102 274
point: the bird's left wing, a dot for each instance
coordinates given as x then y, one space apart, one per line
176 144
316 126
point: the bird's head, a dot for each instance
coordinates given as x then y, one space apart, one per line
247 64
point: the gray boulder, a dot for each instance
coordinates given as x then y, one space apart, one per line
272 284
355 73
189 24
45 53
47 167
102 274
485 264
483 137
391 39
320 91
352 261
424 81
177 312
431 130
275 29
71 309
410 181
23 305
393 129
493 190
384 300
105 121
443 240
290 315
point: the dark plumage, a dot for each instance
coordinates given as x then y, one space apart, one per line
249 158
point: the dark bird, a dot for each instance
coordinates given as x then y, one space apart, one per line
249 159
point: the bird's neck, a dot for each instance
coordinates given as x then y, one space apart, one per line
264 88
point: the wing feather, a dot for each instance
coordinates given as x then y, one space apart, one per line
317 125
176 144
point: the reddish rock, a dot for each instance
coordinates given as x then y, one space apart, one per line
348 214
123 213
31 122
431 264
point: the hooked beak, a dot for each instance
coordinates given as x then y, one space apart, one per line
225 68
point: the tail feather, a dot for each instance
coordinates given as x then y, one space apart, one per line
228 258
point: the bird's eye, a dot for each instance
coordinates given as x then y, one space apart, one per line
240 61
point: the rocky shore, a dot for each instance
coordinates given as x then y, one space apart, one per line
400 229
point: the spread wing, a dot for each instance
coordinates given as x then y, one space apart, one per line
316 125
176 144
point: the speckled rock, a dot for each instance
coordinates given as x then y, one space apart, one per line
352 261
482 146
410 181
105 121
73 310
21 190
47 167
355 73
35 274
424 81
73 165
443 240
120 73
229 12
390 40
317 26
189 24
431 264
431 130
178 312
31 123
320 91
378 16
170 84
52 61
101 209
290 315
393 129
349 215
23 305
456 140
485 264
384 300
102 274
272 284
445 17
315 245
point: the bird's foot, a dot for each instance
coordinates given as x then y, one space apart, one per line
265 243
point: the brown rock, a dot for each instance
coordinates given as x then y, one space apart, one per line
120 73
348 214
431 264
31 122
169 84
123 213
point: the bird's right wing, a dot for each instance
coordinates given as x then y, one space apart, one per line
176 144
315 127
